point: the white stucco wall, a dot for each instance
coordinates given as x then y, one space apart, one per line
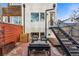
35 7
35 26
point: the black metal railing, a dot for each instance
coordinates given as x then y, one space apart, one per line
66 36
69 37
62 45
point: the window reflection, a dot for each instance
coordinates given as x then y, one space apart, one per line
34 17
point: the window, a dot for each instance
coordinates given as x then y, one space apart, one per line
5 19
37 17
16 20
34 17
41 16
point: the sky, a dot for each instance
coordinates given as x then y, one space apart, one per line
64 10
4 4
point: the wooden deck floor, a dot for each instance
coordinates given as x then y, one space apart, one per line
22 50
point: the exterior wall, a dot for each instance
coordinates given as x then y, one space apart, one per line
11 33
38 26
35 7
17 17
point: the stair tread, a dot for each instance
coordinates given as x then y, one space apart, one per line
71 45
74 50
65 40
75 54
67 43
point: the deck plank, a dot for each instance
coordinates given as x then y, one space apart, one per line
22 49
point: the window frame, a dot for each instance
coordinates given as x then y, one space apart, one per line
40 16
39 19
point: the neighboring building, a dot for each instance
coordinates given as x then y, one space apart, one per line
16 19
77 19
70 20
11 19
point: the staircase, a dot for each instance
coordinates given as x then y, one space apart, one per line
69 45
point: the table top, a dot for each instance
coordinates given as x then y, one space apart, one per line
39 45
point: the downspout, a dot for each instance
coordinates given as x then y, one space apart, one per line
24 17
8 15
